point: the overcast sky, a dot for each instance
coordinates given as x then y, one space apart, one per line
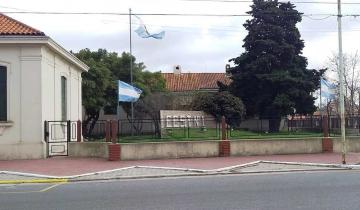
198 44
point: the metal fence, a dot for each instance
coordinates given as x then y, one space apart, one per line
182 128
352 125
94 131
203 128
305 126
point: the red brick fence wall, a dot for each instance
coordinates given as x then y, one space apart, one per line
224 147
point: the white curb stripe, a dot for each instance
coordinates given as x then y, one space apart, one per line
182 169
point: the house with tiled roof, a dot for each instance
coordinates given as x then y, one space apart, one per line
40 90
186 85
182 82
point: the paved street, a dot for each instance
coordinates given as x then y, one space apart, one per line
67 166
305 190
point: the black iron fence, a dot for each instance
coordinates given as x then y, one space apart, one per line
202 128
92 131
352 125
305 126
199 128
181 128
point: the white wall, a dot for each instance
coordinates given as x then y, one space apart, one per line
53 68
34 95
23 139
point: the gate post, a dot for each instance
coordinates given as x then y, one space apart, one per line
114 131
224 143
327 143
46 131
107 131
114 148
223 128
68 128
79 133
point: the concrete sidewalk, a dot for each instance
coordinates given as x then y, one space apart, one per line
66 166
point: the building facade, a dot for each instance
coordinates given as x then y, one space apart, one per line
39 81
185 86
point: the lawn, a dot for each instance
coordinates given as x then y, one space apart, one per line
243 134
195 134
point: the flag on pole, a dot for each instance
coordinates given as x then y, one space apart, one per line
144 33
128 93
328 89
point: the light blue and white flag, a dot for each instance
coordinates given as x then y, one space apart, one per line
328 89
128 93
144 33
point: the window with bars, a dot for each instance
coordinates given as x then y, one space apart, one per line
3 93
63 99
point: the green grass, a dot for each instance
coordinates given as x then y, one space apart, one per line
178 134
199 134
243 134
196 134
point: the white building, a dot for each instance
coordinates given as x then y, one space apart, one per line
39 81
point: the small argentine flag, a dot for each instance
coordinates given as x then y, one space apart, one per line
144 33
128 93
328 90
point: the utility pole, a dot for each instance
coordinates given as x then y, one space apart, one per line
131 73
341 78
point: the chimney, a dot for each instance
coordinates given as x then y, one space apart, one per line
177 69
227 70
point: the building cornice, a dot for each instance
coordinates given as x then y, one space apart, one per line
45 40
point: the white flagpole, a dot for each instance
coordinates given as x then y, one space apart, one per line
131 73
341 76
320 108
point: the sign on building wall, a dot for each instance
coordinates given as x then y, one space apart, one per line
181 119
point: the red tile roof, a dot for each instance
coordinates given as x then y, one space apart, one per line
10 26
194 81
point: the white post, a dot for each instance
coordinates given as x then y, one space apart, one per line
320 107
131 73
341 78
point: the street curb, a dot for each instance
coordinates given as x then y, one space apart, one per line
196 172
33 181
204 174
145 177
313 164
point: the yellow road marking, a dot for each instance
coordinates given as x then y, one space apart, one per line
34 191
21 181
51 187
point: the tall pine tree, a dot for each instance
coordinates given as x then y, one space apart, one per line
271 76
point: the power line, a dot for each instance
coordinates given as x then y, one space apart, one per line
294 2
151 14
227 28
324 18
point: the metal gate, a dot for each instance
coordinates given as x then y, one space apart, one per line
58 134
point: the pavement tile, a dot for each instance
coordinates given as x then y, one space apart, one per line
15 177
68 166
260 167
136 172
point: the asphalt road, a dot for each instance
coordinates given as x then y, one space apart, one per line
316 190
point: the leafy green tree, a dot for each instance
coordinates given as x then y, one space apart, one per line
149 107
220 104
100 82
271 76
95 83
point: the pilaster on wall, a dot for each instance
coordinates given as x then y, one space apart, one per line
327 143
224 148
224 144
114 152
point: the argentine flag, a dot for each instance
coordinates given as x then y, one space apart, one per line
144 33
328 90
128 93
